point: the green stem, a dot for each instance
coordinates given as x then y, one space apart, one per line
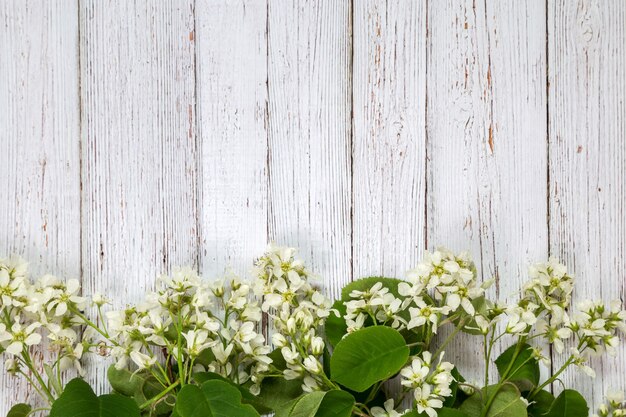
94 326
504 377
567 363
160 367
449 338
33 384
361 410
103 321
328 382
373 392
160 396
36 410
29 363
401 397
486 353
179 345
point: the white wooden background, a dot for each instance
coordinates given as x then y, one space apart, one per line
136 136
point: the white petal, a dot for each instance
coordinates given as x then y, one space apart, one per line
15 348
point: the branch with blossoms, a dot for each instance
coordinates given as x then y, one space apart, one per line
274 343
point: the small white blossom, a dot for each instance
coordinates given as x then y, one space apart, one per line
388 411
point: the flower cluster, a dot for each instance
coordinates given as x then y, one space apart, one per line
298 311
615 406
47 311
549 287
199 326
429 385
547 294
375 303
189 330
442 284
544 311
597 325
451 276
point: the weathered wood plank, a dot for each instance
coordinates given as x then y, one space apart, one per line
487 143
309 134
587 99
389 141
39 146
389 149
232 100
138 146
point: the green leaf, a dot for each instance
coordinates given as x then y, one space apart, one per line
569 404
450 412
365 284
278 360
525 369
124 381
78 400
19 410
367 356
307 405
205 358
141 386
335 403
335 327
246 396
540 404
213 398
507 402
276 392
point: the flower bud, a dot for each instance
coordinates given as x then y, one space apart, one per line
317 345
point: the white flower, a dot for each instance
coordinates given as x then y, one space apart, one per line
312 365
520 318
12 366
310 384
197 341
279 340
67 294
615 397
71 359
414 374
10 288
554 334
581 363
425 402
388 411
317 345
142 360
422 314
99 300
290 354
222 353
19 337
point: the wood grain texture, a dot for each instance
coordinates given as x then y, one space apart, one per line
389 143
39 153
232 101
487 172
309 136
587 99
138 147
